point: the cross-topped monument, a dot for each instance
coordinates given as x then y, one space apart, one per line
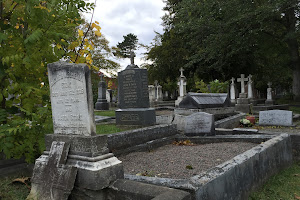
242 80
132 55
181 71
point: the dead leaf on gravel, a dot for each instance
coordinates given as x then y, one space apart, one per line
296 197
185 142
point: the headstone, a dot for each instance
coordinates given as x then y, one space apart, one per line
109 95
158 92
205 100
250 91
232 92
72 105
199 124
181 87
276 118
151 90
134 97
74 146
101 103
269 100
243 103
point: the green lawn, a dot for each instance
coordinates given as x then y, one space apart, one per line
109 113
15 191
285 186
111 128
296 110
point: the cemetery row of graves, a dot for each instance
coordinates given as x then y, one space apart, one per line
201 146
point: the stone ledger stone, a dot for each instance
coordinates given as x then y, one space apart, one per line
199 124
134 98
205 100
276 118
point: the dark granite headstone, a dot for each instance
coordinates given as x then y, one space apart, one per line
101 103
133 97
205 100
53 179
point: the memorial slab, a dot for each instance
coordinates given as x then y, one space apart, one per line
205 100
71 99
276 118
199 124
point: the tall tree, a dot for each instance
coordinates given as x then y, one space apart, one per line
128 45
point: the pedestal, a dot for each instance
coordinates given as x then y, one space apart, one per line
101 104
136 116
269 102
243 103
179 99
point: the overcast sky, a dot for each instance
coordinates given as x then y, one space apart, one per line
121 17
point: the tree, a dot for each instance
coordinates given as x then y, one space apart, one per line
128 45
33 34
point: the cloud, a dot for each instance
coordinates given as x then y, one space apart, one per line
120 17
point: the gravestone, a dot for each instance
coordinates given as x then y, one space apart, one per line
232 92
243 103
109 95
199 124
101 103
276 118
205 100
269 100
250 91
158 92
74 143
151 90
134 106
181 87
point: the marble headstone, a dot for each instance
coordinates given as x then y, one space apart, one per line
276 118
71 99
199 124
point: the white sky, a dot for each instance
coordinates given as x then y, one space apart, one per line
121 17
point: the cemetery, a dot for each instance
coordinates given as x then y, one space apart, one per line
191 124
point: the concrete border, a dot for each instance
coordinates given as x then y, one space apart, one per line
236 178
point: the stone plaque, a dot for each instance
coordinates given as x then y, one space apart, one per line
133 88
200 123
205 100
71 99
276 118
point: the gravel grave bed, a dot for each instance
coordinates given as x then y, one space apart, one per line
181 161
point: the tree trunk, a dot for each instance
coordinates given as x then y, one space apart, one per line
294 50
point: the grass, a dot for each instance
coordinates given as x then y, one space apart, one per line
10 190
112 128
108 113
296 110
285 185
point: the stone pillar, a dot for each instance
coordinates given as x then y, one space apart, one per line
181 87
243 103
101 103
269 100
250 91
232 92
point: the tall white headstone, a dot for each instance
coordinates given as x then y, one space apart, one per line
250 91
232 91
269 100
181 87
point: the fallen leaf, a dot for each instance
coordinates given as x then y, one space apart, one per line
189 167
22 180
296 197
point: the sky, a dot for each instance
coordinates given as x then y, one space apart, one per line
118 18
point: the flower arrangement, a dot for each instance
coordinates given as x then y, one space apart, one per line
245 123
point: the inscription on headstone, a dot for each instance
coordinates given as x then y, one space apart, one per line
71 99
200 123
276 118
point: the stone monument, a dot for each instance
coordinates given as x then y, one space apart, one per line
158 92
181 87
250 91
232 92
76 160
242 102
134 97
276 118
269 100
101 103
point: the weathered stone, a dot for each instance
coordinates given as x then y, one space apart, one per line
181 87
136 116
276 117
101 103
71 99
52 179
205 100
199 124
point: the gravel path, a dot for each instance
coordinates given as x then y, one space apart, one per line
173 161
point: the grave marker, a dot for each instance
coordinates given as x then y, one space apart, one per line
199 124
276 118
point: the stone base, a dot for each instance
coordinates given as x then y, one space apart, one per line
245 108
269 102
136 116
101 104
179 99
242 101
253 102
243 95
232 102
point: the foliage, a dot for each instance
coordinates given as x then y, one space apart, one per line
222 39
109 113
284 185
33 34
128 45
213 87
111 128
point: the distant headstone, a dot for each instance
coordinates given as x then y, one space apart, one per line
151 90
205 100
181 87
71 99
158 92
276 118
134 98
232 91
199 124
269 100
101 103
250 91
242 81
242 103
109 95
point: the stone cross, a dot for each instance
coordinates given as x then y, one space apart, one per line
181 71
132 55
242 80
